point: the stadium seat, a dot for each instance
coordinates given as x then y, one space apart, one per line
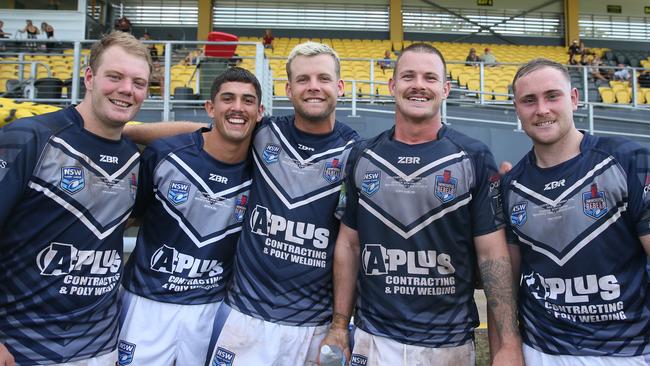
622 97
607 95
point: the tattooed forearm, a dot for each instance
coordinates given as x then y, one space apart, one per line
499 290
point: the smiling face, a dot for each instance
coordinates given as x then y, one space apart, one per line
235 110
117 87
313 88
419 87
545 102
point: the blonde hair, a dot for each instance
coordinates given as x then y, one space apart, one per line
118 38
310 49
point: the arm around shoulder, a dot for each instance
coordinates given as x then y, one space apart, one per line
146 133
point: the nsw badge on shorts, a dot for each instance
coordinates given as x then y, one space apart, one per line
72 179
125 352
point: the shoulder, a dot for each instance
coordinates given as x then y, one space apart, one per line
346 132
465 143
624 151
165 146
42 125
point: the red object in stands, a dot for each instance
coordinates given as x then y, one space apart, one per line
221 50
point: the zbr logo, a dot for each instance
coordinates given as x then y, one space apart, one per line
178 192
72 179
240 208
518 214
332 171
271 153
125 351
593 203
371 182
223 357
446 186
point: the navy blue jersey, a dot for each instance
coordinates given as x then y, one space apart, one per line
417 209
585 290
283 264
192 207
66 197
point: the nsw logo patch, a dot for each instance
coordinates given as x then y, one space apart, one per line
371 182
358 360
271 153
445 188
332 172
125 352
72 179
223 357
518 214
593 203
240 208
178 192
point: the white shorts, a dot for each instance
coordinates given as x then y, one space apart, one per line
371 350
163 334
108 359
534 357
245 341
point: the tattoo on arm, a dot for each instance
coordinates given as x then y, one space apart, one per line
499 291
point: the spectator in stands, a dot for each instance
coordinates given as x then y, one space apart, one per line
386 62
488 58
3 34
123 24
193 57
150 46
584 52
32 31
623 73
472 58
644 79
595 70
574 49
267 40
48 30
157 77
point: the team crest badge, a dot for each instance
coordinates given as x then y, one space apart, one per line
72 179
593 203
240 208
332 171
271 153
518 214
446 186
125 352
178 192
358 360
371 182
223 357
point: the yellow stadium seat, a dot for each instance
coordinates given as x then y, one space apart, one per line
622 97
607 94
